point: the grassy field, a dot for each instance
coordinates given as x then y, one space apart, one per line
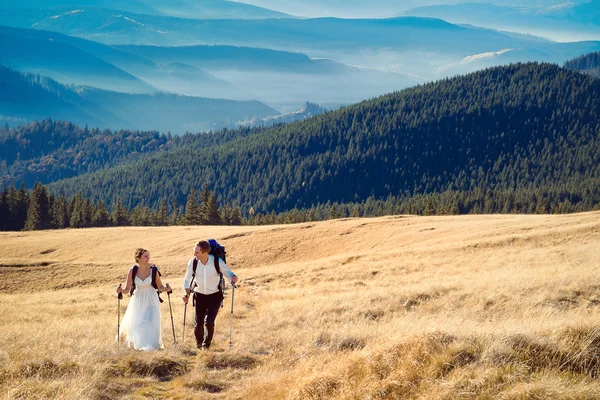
469 307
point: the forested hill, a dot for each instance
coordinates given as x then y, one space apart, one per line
589 63
525 126
46 151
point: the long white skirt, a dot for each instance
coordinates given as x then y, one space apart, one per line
141 322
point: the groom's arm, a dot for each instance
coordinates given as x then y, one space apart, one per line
227 272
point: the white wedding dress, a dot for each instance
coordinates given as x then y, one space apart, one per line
141 322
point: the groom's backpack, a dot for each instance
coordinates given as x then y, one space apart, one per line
217 251
154 270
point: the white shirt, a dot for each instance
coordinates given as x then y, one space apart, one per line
207 277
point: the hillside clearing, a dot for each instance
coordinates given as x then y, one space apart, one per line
489 306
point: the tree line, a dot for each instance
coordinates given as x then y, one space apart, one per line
39 209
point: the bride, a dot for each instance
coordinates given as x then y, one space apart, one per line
141 322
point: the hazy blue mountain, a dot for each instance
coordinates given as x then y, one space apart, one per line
422 43
374 9
176 113
270 76
139 6
328 34
28 97
124 60
375 56
218 57
225 72
567 22
135 65
63 62
201 9
213 9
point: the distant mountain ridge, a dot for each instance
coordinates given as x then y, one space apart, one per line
572 21
204 9
26 97
33 97
425 48
27 51
227 72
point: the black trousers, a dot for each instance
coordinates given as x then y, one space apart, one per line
207 307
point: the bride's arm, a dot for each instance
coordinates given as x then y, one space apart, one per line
128 284
161 287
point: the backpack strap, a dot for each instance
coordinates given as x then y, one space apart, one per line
217 267
221 280
134 270
194 266
155 271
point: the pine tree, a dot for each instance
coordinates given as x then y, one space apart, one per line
136 215
20 205
77 207
236 216
429 208
100 216
174 217
162 218
38 215
205 206
88 211
4 209
225 213
192 210
214 218
120 215
60 213
334 211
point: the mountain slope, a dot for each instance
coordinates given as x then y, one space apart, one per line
175 113
424 47
63 62
121 59
214 9
515 127
205 9
113 27
33 97
570 22
26 97
589 63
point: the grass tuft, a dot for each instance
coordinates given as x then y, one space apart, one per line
222 361
48 369
160 367
322 388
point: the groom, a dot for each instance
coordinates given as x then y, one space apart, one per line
203 279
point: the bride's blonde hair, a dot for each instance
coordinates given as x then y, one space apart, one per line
137 253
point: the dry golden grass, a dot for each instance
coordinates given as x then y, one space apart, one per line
470 307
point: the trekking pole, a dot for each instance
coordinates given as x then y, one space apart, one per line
171 311
184 313
231 318
119 297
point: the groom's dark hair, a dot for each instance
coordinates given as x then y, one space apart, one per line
204 245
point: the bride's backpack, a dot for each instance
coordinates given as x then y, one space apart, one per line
154 270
